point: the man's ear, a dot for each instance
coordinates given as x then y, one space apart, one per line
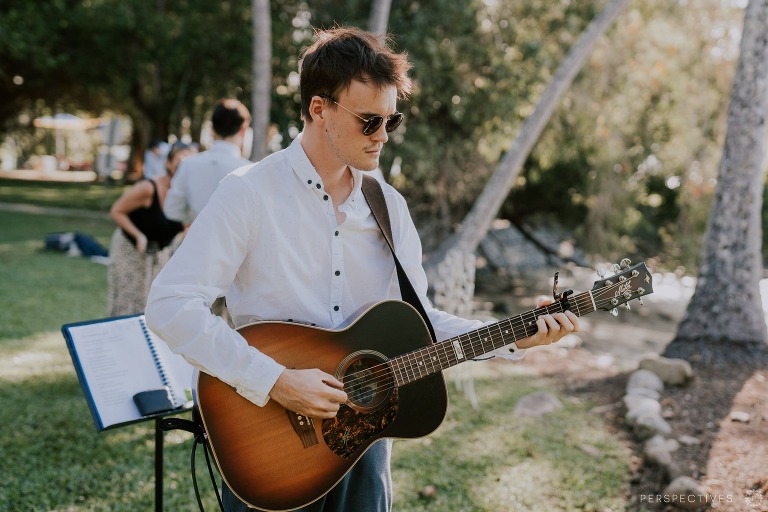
316 106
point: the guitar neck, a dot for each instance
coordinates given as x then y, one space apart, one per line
437 357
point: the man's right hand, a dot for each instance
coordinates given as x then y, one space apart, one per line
312 393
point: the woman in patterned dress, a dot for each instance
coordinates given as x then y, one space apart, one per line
143 240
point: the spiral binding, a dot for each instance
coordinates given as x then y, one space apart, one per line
158 361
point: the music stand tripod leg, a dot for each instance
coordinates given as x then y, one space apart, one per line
158 466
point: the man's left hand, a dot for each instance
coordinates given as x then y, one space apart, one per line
552 327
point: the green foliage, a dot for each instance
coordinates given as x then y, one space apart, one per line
479 70
644 124
627 161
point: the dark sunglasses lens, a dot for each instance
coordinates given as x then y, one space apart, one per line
394 121
372 124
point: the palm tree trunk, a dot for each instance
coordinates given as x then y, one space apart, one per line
261 94
379 18
478 220
725 315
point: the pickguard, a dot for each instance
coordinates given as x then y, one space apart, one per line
350 430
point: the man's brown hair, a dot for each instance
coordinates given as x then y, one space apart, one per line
340 55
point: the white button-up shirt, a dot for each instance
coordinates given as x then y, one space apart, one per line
269 241
197 177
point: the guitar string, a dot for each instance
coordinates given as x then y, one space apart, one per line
552 308
473 337
389 380
448 355
522 320
445 358
448 347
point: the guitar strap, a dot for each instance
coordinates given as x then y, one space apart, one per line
375 197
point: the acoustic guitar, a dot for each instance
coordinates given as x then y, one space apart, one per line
274 459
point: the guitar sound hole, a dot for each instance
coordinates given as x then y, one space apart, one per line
368 382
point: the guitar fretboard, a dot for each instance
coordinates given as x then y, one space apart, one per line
426 361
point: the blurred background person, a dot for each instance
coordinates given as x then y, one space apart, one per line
142 242
178 152
198 176
154 159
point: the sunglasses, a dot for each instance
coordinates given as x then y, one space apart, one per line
373 123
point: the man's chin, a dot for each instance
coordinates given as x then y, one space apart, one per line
369 166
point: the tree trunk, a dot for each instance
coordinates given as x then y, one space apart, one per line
725 316
379 18
478 220
261 95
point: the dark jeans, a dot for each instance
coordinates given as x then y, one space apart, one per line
366 488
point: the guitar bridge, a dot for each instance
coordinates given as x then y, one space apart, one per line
304 428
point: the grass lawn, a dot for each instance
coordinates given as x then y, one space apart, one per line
87 196
54 460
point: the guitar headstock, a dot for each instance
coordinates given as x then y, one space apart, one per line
626 284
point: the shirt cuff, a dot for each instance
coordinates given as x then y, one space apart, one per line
259 377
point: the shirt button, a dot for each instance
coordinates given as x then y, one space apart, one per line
338 273
325 197
335 308
319 186
336 233
309 182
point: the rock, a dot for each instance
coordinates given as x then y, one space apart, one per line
689 440
646 392
428 492
644 379
740 416
668 413
672 372
648 426
684 492
536 404
658 450
641 406
590 450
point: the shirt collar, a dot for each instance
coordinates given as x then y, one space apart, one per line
308 175
224 146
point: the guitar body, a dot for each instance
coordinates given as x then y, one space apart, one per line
274 459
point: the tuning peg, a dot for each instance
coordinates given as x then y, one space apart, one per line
640 300
626 306
601 272
624 264
615 268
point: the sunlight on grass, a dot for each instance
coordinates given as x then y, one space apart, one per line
489 459
62 462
